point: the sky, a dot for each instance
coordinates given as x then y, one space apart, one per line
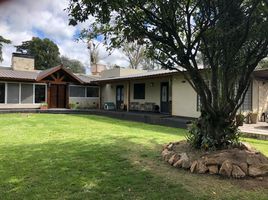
20 20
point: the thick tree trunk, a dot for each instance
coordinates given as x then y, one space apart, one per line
213 131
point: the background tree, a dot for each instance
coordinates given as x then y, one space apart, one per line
136 55
232 37
2 42
45 52
74 65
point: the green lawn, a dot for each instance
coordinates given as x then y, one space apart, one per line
46 156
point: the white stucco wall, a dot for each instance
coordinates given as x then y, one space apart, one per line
184 98
152 91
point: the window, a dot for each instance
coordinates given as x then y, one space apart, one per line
2 92
139 91
13 92
40 93
247 104
92 92
77 91
26 93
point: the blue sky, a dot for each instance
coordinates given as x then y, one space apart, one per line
20 20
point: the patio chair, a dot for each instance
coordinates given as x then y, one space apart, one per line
149 106
109 106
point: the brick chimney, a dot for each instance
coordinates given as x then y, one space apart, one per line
22 62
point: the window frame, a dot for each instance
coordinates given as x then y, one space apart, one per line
143 96
85 95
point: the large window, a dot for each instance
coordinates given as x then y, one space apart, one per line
40 93
139 91
84 91
2 92
26 93
92 92
13 93
77 91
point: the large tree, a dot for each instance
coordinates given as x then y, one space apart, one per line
45 52
231 36
74 65
2 42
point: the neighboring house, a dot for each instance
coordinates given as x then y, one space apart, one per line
162 91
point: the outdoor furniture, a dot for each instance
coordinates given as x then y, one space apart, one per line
134 105
109 106
148 106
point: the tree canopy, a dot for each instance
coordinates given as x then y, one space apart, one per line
45 52
2 42
74 65
231 36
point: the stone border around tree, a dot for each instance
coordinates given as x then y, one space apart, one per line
236 162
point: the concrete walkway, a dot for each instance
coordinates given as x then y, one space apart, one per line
259 130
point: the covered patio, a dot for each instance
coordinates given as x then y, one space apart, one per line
150 92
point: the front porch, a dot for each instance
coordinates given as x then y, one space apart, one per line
142 95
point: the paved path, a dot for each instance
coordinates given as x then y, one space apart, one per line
259 130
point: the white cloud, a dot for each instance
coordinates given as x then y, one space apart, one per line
22 20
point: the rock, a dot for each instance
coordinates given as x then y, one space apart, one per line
193 166
243 167
226 168
186 164
166 154
255 171
174 158
264 168
201 168
211 161
183 161
170 146
238 172
213 169
178 164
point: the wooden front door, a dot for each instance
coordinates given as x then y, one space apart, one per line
119 96
57 96
164 104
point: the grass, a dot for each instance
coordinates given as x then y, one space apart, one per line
46 156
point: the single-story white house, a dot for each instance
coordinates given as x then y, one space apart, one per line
164 91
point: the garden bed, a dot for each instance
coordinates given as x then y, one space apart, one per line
239 162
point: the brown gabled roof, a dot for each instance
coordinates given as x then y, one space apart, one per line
8 74
50 71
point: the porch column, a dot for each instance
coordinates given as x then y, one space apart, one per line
128 95
100 96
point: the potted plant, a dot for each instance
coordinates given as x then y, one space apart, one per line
253 117
239 118
44 106
73 106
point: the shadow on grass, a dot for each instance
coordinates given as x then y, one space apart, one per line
79 170
132 124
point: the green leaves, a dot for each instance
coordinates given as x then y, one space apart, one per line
2 42
45 51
